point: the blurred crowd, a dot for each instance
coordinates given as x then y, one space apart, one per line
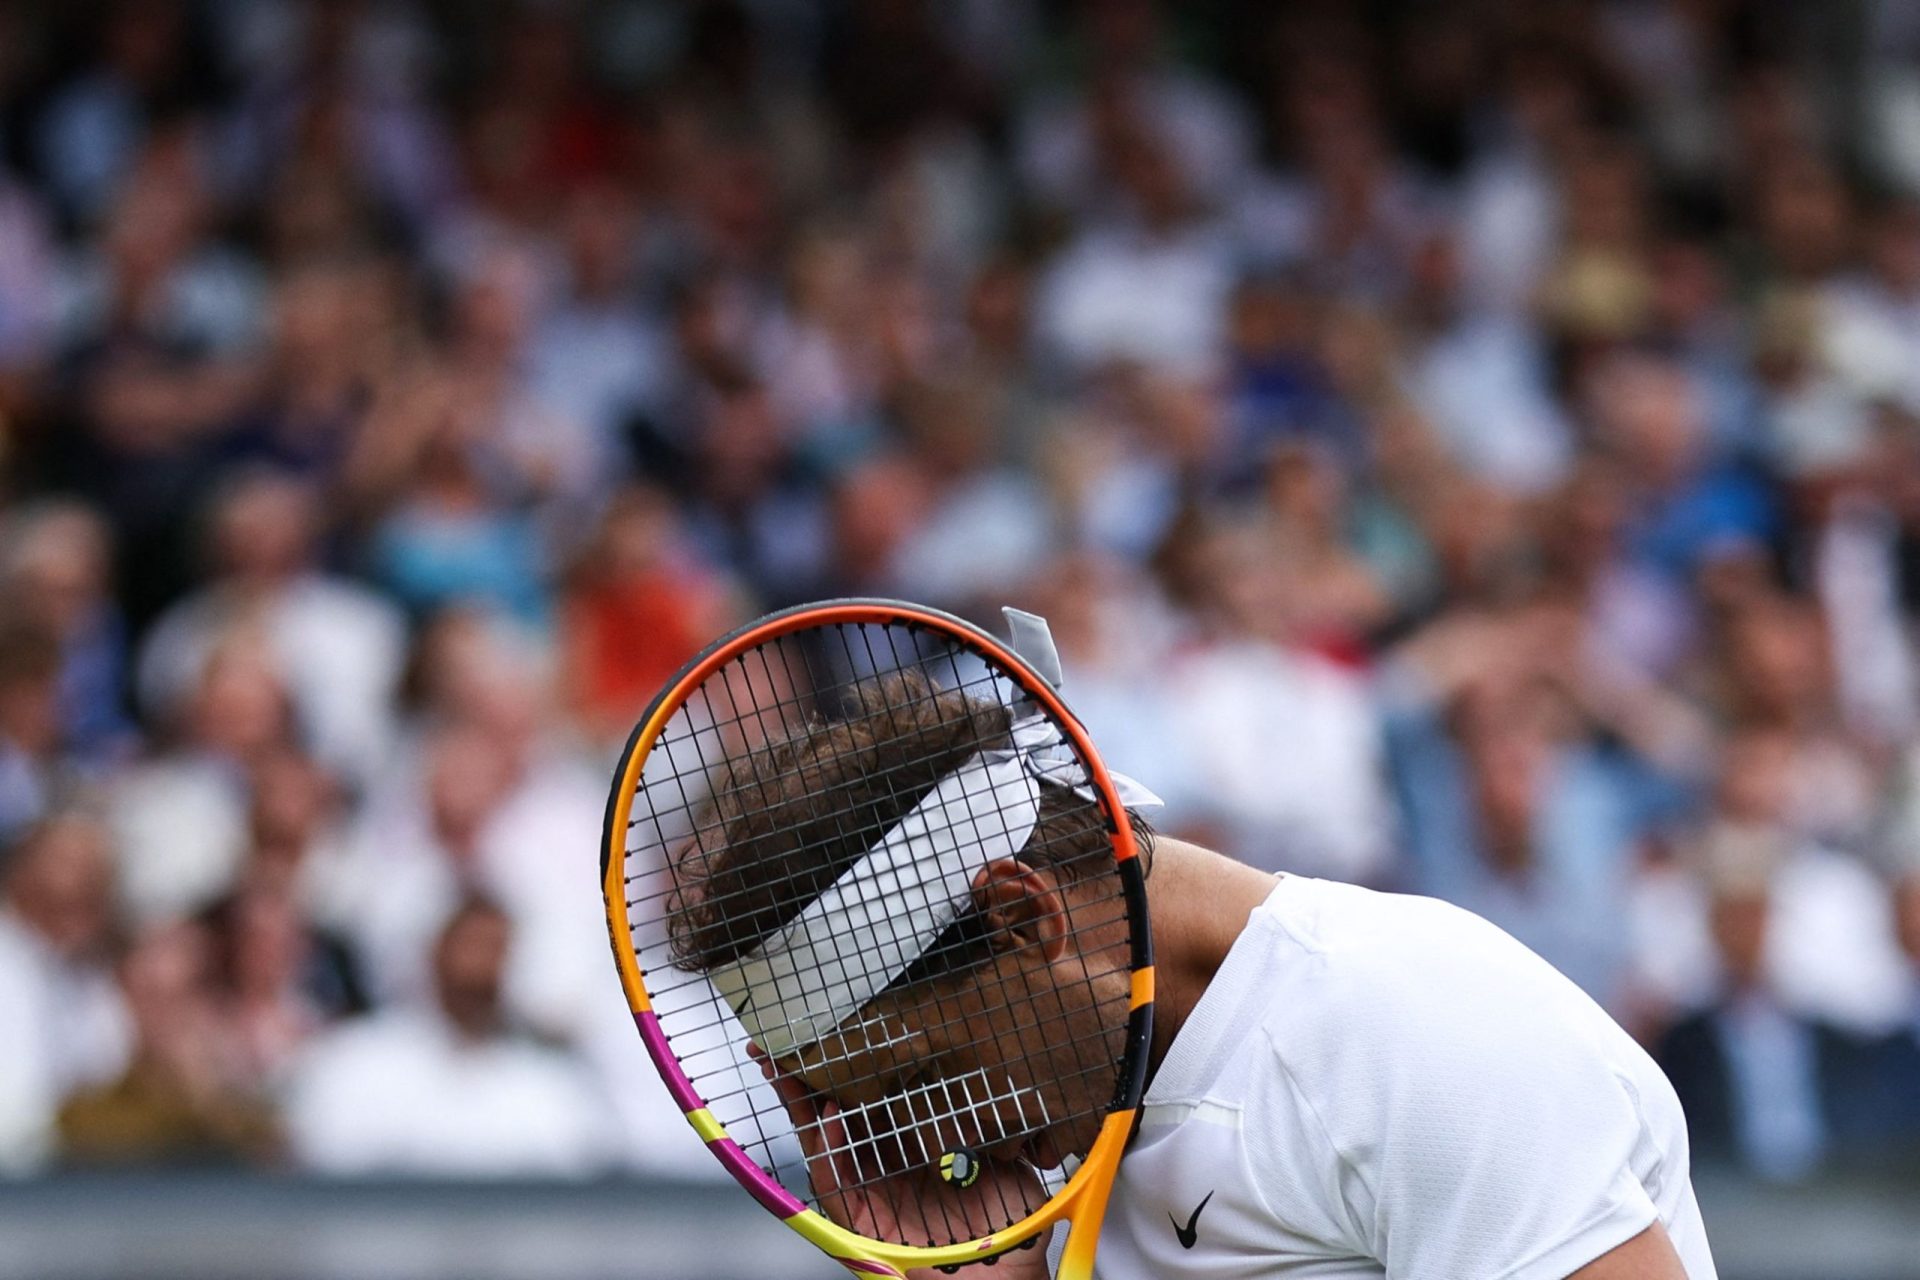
1470 448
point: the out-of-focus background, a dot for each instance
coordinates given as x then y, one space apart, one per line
1469 448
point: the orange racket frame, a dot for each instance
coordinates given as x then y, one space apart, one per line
1082 1201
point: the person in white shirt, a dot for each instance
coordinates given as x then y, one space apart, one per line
1764 1084
1341 1083
447 1090
1289 747
1827 954
180 816
1148 286
338 646
63 1025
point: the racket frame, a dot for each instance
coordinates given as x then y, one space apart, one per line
1083 1200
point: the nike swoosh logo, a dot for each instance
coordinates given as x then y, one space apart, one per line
1189 1235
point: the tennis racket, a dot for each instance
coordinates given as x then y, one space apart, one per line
880 915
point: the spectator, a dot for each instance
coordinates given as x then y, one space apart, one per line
489 801
181 815
452 527
91 131
1891 1091
1854 553
1650 418
983 523
598 357
1511 809
274 982
416 849
447 1088
61 1016
529 451
1276 387
1827 953
1873 329
1637 621
334 102
157 328
1128 54
825 363
337 647
1117 636
328 329
183 1098
294 830
640 605
1483 375
1279 739
56 571
28 292
1335 600
752 505
1775 672
30 724
1148 286
1811 420
1761 1084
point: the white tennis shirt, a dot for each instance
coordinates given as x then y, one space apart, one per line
1381 1085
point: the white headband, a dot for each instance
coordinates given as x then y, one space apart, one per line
799 984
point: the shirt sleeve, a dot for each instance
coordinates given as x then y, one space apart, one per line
1476 1118
1504 1157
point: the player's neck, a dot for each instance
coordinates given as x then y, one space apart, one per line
1199 902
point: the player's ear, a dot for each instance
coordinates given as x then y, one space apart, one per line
1022 903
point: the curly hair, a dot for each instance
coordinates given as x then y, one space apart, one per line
789 818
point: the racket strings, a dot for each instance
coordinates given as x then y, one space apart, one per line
1088 924
931 1028
750 732
675 883
641 904
793 1172
978 688
715 827
670 891
906 1113
747 1084
672 884
1115 913
1059 1020
810 699
834 828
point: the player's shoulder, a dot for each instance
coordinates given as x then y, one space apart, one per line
1349 941
1390 997
1319 965
1378 1049
1424 1083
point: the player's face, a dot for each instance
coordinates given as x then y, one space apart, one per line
1015 1059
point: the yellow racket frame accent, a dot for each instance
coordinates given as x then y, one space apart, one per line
1083 1201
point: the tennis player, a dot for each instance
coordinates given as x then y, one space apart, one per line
1342 1083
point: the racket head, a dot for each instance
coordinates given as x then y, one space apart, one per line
708 738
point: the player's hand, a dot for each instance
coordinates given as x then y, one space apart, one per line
912 1206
